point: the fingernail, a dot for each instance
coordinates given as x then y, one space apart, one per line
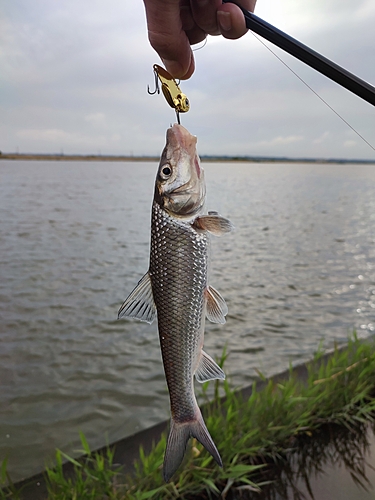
174 68
224 20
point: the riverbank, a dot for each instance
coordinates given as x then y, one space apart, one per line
204 158
293 422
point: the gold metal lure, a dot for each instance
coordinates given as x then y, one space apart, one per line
172 92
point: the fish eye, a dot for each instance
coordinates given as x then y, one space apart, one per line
166 172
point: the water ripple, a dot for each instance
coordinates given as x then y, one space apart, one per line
74 240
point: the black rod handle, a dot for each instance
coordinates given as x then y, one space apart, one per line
305 54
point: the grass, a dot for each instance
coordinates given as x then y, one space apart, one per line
251 434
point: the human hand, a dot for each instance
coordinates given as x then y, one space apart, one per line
174 25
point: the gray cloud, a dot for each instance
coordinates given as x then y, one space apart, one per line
74 77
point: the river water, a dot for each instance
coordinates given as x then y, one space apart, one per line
74 240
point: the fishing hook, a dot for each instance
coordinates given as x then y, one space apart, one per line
157 88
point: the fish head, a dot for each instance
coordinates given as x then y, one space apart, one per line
180 188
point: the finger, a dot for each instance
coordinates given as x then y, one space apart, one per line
231 19
187 20
193 32
204 13
246 4
168 38
196 35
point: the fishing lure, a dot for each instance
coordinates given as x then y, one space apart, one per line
172 92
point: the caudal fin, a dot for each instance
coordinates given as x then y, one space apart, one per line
179 435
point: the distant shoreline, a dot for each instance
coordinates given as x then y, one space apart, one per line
56 157
204 158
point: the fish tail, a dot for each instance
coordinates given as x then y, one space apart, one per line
179 435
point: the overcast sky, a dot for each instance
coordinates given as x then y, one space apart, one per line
74 76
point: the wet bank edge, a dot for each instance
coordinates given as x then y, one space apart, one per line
127 449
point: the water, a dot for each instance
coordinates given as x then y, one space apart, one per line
74 240
336 463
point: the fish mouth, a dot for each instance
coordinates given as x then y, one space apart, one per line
180 137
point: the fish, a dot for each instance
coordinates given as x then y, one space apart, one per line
175 289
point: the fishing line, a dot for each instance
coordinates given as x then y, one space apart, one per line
312 90
202 46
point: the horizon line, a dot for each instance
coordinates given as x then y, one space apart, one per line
204 157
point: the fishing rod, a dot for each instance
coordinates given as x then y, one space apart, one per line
308 56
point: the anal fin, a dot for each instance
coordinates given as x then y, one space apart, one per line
208 369
140 303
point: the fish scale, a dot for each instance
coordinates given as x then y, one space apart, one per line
179 299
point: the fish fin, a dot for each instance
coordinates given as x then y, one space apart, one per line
208 369
179 435
140 303
216 308
213 223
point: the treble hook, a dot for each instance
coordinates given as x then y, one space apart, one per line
172 92
157 88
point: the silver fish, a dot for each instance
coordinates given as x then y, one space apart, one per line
176 288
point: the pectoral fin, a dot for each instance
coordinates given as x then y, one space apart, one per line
208 369
140 303
216 308
213 223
